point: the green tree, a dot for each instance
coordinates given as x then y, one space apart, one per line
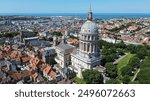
103 61
134 82
116 37
120 45
111 70
134 62
113 81
131 48
51 61
92 77
144 76
78 80
148 53
101 44
127 70
147 33
11 34
126 79
145 63
141 53
57 33
120 52
107 58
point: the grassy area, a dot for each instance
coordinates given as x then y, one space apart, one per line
123 63
78 80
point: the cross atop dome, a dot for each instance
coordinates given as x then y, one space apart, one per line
90 14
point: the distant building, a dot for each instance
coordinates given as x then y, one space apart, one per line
55 41
48 53
27 35
26 40
36 43
4 63
46 34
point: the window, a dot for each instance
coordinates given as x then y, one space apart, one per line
88 48
84 47
92 37
92 48
85 38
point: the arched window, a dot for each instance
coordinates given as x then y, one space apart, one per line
92 37
92 47
88 37
85 37
84 47
88 47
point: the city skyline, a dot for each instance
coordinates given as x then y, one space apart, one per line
74 6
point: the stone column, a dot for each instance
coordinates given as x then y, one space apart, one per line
90 37
86 47
82 46
90 48
94 48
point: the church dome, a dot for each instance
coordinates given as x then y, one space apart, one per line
89 27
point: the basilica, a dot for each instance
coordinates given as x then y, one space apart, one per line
87 56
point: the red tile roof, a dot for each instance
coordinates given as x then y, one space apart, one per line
25 59
33 67
35 60
26 73
47 69
34 75
52 74
16 76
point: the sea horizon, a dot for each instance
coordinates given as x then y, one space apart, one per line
83 15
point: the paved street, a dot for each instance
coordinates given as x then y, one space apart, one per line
136 75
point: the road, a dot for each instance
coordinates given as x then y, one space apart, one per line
136 75
115 62
105 78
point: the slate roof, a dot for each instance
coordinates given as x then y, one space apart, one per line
1 74
4 63
64 46
38 43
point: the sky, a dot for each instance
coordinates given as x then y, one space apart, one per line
74 6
